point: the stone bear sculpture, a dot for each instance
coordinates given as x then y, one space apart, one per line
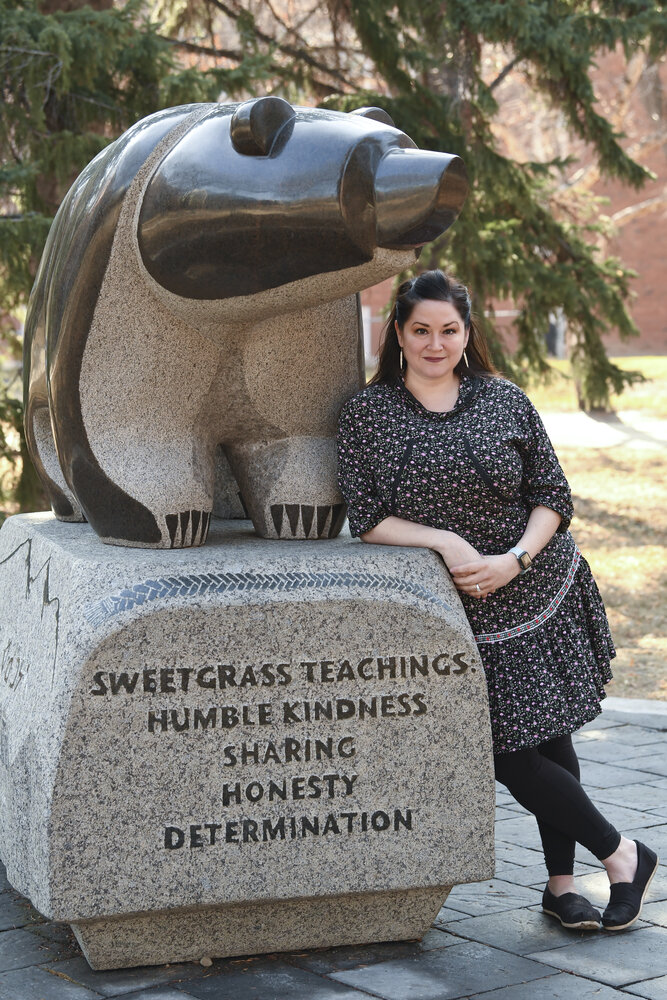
199 289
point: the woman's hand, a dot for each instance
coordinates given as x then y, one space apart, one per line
454 550
395 531
481 576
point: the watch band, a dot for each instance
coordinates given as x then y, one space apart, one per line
524 560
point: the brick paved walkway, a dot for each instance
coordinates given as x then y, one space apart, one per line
490 939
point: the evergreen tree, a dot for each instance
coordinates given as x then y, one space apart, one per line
524 234
519 237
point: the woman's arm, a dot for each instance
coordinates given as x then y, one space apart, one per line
543 523
489 573
545 490
396 531
368 515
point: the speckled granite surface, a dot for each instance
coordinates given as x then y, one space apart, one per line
250 724
203 371
257 928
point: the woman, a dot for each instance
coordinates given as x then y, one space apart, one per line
441 452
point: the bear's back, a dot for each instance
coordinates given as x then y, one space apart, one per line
79 243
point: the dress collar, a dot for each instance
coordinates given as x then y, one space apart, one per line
469 388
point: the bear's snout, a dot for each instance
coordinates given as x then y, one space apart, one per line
418 195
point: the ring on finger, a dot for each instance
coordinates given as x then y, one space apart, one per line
479 589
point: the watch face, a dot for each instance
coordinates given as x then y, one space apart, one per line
525 560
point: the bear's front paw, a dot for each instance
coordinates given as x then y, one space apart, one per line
189 527
301 520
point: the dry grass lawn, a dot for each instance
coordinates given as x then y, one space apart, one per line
649 397
621 527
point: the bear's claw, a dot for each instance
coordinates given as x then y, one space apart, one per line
328 519
189 527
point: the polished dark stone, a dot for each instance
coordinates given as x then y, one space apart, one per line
214 225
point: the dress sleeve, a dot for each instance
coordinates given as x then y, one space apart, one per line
356 479
544 483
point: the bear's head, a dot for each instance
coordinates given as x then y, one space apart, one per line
259 195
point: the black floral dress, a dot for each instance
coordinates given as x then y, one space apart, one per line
478 470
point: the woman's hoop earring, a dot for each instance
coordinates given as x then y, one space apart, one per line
465 358
400 359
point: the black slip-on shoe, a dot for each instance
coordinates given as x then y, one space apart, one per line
574 912
627 898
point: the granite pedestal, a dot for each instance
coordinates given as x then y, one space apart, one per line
253 746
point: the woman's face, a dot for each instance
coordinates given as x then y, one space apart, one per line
433 339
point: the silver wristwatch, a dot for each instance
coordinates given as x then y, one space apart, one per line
524 560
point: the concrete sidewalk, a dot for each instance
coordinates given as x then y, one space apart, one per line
490 940
631 428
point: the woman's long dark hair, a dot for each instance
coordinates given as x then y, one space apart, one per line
443 288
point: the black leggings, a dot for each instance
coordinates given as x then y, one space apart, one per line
545 780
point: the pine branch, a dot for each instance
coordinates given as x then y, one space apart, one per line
52 74
30 52
586 178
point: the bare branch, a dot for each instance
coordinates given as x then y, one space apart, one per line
292 30
203 50
504 72
28 52
278 18
632 212
307 16
289 50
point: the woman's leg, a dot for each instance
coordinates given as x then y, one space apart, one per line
553 794
559 848
551 791
621 865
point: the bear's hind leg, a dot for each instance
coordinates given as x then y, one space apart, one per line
42 449
142 491
143 515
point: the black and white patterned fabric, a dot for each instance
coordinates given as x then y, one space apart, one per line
478 470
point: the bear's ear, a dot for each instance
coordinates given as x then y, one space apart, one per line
377 114
256 124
